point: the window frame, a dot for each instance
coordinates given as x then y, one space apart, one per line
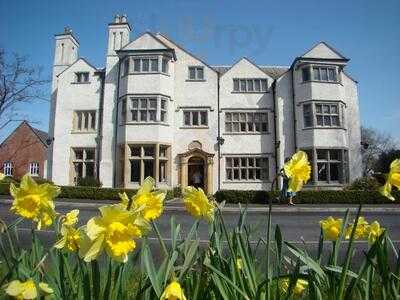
312 71
34 166
198 114
315 115
128 110
82 77
196 69
250 123
247 169
138 68
8 168
84 161
80 117
241 85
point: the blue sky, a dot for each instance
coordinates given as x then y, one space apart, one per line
220 32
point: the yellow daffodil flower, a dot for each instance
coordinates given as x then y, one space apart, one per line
374 231
114 231
27 289
2 176
298 289
71 218
361 231
148 201
70 239
298 170
239 264
197 203
331 228
173 291
34 201
393 179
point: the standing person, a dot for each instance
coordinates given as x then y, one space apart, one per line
197 178
285 194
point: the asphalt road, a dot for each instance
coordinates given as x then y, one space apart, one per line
299 224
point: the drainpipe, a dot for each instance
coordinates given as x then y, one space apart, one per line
100 125
116 126
294 111
277 143
219 134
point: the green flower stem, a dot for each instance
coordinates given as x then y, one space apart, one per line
268 279
163 246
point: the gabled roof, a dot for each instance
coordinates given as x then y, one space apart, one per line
272 71
146 41
41 135
80 59
184 50
324 51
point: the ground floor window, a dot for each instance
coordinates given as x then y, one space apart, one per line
34 169
329 165
247 168
83 163
8 168
148 160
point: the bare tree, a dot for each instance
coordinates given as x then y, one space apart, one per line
19 83
374 144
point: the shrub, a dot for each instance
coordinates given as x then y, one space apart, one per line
40 180
366 183
89 181
305 197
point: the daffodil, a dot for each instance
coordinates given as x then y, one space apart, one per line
393 179
173 291
331 228
71 218
70 239
2 176
298 289
114 231
361 231
197 203
34 201
239 264
374 231
298 170
147 200
27 289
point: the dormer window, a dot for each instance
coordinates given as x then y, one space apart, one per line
82 77
157 64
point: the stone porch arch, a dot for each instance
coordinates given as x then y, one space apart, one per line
208 159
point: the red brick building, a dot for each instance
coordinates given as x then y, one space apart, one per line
24 151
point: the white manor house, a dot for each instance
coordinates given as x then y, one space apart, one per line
157 110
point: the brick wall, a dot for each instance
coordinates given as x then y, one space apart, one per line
21 148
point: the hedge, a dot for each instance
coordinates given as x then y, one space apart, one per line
86 192
305 197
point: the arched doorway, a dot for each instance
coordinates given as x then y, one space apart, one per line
196 172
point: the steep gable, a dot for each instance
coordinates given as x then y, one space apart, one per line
247 67
80 63
146 41
324 51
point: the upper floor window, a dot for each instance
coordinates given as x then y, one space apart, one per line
255 85
82 77
322 114
8 168
145 109
320 73
196 73
246 122
85 120
34 169
246 168
126 66
195 118
164 65
154 64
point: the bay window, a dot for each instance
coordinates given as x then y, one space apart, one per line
320 73
323 114
148 64
148 109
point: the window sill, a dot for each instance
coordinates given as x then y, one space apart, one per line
87 82
82 132
251 92
246 181
324 127
145 123
247 133
195 80
194 127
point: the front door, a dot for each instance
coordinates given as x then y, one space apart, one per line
196 172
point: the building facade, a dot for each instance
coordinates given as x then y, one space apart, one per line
157 110
24 151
